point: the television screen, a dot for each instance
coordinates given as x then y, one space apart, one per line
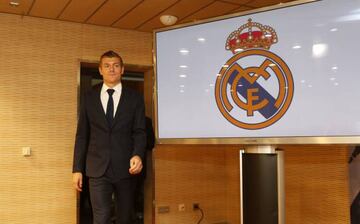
282 72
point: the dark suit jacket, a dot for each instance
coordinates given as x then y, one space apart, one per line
97 145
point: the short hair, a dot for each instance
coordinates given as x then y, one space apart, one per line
111 54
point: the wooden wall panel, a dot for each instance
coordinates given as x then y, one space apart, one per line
196 174
232 184
39 62
316 183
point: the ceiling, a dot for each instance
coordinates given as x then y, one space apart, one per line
140 15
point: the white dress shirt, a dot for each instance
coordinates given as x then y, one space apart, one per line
104 96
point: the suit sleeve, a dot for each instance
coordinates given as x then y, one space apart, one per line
81 140
138 130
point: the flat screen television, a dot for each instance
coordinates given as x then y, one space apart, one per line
285 74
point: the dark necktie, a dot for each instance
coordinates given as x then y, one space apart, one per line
110 107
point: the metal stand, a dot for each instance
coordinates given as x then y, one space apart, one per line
262 185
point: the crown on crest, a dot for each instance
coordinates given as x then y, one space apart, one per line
257 36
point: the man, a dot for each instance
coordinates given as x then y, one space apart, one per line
110 143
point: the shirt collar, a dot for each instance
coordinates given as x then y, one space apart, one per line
117 88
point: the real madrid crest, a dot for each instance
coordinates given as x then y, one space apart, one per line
255 87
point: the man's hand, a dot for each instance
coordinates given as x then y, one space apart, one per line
135 165
78 181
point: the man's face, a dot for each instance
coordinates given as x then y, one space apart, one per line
111 70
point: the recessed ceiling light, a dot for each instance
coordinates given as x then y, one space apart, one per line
168 20
14 4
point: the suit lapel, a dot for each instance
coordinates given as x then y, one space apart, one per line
121 106
98 105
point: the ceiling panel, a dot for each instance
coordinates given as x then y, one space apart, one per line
263 3
241 9
22 9
187 7
240 2
48 9
181 10
141 15
216 9
111 11
143 12
80 10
